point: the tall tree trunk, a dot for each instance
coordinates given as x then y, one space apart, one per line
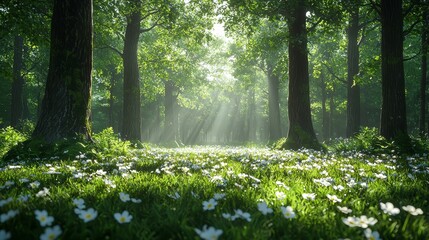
131 125
301 133
353 89
393 113
111 110
325 116
423 80
171 117
17 103
66 104
251 115
275 129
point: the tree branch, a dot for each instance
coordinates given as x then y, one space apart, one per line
333 74
410 29
114 50
375 6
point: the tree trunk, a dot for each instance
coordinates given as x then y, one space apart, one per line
301 133
111 96
353 89
423 79
275 130
171 117
66 104
131 125
393 113
251 115
325 116
17 103
331 115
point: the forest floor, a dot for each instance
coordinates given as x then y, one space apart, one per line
216 193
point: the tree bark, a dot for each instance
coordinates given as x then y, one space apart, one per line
131 125
65 108
325 116
353 89
275 129
393 113
171 116
111 111
301 133
423 80
17 103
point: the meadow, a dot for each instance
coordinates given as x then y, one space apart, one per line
121 191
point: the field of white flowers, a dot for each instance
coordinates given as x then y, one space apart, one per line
216 193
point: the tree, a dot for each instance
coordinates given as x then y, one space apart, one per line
131 125
65 106
353 88
393 122
301 132
423 79
17 103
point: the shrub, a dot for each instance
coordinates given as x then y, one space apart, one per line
9 137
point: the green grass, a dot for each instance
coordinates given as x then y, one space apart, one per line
245 175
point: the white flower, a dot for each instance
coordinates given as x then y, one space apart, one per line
210 204
345 210
51 233
371 235
4 235
35 184
79 203
364 221
388 208
263 208
350 221
6 216
44 218
136 200
380 175
219 196
227 216
412 210
333 198
87 215
23 198
123 217
210 233
288 212
243 215
124 197
6 201
280 195
175 196
309 196
43 193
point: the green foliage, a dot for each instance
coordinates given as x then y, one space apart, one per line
368 140
166 190
108 144
9 137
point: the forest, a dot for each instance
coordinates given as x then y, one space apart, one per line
209 119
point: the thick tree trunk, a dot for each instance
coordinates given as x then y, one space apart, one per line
301 133
131 125
275 130
66 104
17 103
353 89
423 80
393 113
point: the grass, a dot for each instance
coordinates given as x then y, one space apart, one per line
174 183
